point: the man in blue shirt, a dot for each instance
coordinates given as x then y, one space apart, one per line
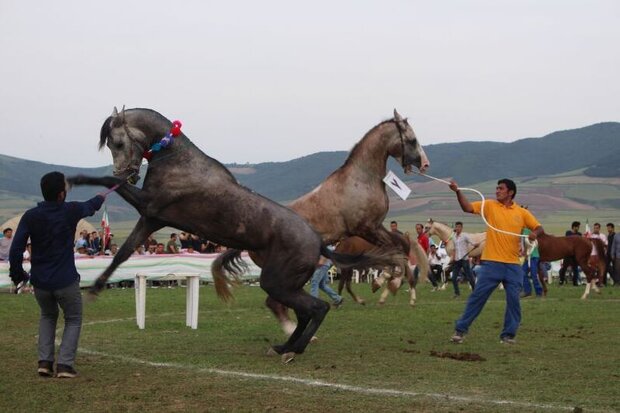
51 228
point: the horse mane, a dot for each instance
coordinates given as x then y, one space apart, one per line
358 145
105 132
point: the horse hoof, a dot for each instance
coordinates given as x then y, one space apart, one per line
381 302
276 349
412 303
288 357
583 297
313 339
361 302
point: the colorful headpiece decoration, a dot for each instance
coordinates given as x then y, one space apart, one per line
165 141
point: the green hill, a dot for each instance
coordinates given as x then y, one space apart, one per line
586 153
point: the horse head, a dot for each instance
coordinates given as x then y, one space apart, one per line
408 150
128 135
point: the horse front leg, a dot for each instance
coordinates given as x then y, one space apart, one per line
412 284
141 231
134 196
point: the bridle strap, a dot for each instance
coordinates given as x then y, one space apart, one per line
402 143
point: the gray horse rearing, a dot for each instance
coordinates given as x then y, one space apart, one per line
210 202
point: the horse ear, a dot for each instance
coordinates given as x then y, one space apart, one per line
397 116
114 112
123 114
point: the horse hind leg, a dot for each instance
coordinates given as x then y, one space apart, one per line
280 311
310 311
384 295
354 296
310 315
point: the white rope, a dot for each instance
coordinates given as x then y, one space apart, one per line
481 206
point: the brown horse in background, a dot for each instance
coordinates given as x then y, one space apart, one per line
358 245
552 248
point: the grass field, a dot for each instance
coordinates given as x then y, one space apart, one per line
368 358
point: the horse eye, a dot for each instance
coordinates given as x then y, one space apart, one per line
120 145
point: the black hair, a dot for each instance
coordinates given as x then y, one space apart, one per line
7 230
575 224
52 184
510 184
611 225
458 223
393 222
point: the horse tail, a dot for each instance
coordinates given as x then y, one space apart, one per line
600 255
374 257
228 263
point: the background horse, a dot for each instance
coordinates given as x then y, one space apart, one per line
553 248
210 202
353 200
358 245
446 234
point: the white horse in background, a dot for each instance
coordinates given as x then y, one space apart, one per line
446 235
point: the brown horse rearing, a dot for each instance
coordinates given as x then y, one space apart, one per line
353 200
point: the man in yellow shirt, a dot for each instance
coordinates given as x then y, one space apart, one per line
500 258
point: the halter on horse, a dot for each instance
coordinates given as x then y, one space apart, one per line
209 202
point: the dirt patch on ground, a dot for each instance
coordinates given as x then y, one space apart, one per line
458 356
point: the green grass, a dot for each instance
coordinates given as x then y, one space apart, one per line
566 356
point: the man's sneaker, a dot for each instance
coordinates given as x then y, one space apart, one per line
46 368
339 303
457 338
65 372
507 340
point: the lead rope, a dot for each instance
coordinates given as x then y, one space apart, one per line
481 207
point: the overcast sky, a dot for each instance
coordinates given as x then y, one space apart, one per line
257 81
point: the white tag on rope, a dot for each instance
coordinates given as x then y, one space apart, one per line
397 185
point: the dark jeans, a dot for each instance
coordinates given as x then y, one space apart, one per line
569 262
456 270
435 274
616 274
530 268
609 269
69 299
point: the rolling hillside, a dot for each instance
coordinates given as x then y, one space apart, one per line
572 170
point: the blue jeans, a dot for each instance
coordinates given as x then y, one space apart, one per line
530 268
492 273
456 269
320 279
69 299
